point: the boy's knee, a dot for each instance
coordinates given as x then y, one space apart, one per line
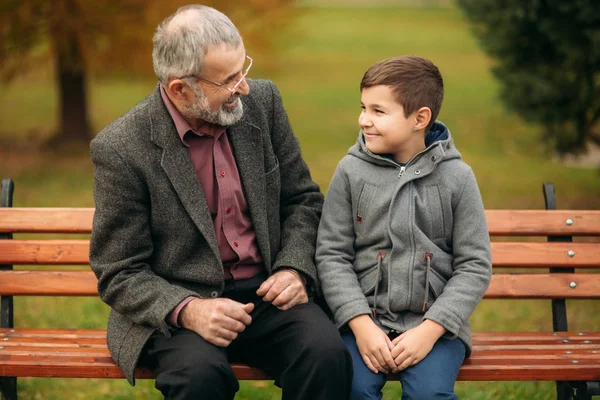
429 392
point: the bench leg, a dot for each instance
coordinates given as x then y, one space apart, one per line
8 387
583 390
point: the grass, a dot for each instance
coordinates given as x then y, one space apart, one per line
322 62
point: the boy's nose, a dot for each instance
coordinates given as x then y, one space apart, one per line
363 121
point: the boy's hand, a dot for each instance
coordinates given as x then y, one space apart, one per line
413 345
373 344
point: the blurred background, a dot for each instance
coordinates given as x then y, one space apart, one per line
522 101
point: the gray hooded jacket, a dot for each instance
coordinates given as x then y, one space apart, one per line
405 243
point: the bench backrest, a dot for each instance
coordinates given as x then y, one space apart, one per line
549 253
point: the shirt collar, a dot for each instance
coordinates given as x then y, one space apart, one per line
183 127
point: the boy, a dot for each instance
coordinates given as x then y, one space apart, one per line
403 251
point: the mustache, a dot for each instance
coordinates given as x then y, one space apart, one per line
232 97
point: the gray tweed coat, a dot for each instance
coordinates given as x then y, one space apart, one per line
153 241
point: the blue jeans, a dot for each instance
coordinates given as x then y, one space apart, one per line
431 379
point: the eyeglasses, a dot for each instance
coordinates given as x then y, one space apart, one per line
234 88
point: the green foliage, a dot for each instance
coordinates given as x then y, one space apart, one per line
548 60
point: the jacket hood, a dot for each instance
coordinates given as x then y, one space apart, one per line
437 139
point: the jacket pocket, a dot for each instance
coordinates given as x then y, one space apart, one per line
436 212
273 174
436 284
368 280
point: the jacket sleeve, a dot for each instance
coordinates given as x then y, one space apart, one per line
301 200
472 265
121 244
335 253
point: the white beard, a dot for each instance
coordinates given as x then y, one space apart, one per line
200 111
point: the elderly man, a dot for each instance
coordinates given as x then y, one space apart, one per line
205 227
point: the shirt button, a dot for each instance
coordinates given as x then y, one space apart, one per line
214 294
222 173
228 210
235 244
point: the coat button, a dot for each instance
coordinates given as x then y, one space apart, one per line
214 294
418 172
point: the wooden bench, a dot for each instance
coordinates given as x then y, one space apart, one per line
556 268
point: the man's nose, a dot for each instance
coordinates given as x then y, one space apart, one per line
243 89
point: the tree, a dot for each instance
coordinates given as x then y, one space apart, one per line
548 60
85 37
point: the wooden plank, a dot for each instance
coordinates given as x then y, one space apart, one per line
46 220
48 283
504 254
500 222
44 252
545 255
473 370
543 222
532 356
544 286
502 286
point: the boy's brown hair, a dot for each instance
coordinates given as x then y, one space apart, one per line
415 81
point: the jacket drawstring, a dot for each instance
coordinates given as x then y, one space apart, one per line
428 256
379 258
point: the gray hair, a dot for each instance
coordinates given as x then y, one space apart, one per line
182 40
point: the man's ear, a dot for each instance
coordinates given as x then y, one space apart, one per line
178 90
423 117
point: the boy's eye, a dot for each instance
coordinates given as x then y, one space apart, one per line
378 111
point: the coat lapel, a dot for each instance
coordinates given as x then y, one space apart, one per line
179 169
246 142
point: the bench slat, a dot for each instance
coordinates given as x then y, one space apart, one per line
26 353
46 220
543 222
500 222
544 286
520 286
45 252
545 255
48 283
504 254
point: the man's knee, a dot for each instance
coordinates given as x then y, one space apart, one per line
199 379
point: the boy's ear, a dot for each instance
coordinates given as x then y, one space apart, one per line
423 116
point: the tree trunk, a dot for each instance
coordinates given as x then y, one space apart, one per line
74 127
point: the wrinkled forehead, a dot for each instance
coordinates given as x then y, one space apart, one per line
224 61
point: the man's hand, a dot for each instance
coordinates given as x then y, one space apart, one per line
218 321
284 289
413 345
373 344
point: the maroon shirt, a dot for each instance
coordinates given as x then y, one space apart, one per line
213 160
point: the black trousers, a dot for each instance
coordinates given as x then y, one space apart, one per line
300 348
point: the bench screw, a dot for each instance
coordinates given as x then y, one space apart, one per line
586 341
5 338
572 285
571 253
565 340
569 352
575 361
580 333
569 221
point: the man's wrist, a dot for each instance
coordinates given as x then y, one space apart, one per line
303 278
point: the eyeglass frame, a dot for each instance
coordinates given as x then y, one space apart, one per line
222 85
